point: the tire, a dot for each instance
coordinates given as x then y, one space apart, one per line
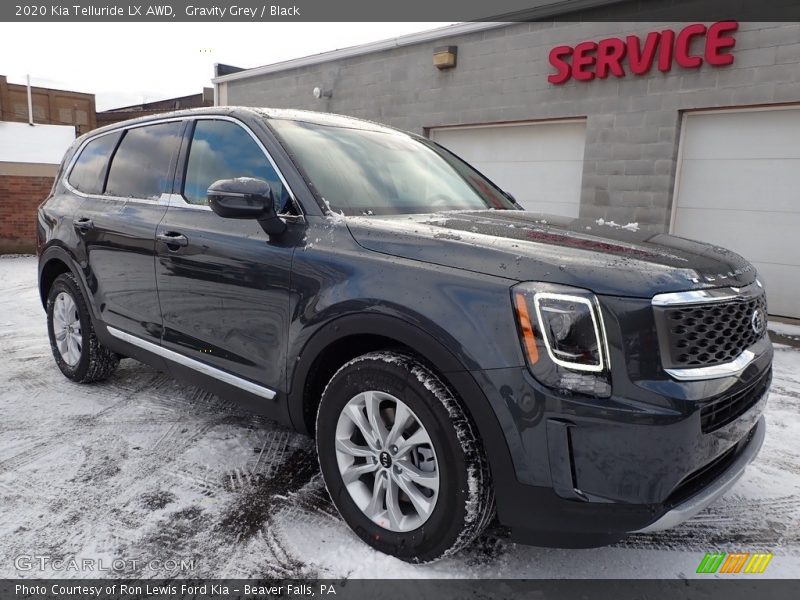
436 441
76 349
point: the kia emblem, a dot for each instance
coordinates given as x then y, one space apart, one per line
758 322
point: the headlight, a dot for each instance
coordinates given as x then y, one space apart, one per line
563 336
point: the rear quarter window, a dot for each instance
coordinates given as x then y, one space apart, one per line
89 172
140 167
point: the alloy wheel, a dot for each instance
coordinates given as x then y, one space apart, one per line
67 329
387 461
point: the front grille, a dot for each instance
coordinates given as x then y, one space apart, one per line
703 335
719 412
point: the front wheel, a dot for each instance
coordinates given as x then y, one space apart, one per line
401 460
76 349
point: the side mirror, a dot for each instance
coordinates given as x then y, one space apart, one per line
245 198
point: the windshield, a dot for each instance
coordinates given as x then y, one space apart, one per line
362 172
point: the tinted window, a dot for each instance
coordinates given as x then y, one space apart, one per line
88 174
223 150
362 171
140 167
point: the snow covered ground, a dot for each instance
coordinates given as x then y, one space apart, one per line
144 467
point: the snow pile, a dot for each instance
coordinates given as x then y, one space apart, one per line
628 226
336 216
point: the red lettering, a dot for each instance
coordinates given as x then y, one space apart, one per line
641 60
609 57
717 41
682 44
665 51
557 56
588 60
582 60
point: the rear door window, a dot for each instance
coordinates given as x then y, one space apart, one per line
224 150
89 172
140 167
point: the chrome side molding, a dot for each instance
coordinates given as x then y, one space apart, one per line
200 367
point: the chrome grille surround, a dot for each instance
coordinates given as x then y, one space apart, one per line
705 334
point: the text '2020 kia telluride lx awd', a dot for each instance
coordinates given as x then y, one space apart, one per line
455 356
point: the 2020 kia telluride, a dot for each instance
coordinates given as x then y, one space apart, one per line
455 357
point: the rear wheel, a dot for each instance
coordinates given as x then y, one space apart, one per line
400 458
76 349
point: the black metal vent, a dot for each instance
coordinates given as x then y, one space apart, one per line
719 412
696 481
699 479
703 335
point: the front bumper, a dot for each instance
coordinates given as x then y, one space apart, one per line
586 471
692 505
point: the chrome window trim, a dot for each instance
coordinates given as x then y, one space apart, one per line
178 201
728 369
724 294
79 151
200 367
173 200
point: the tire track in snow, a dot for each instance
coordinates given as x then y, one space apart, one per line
731 525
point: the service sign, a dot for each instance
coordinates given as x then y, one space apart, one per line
637 55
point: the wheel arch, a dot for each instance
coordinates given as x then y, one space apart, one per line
349 336
54 262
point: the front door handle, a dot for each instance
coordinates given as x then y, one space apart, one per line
83 223
173 239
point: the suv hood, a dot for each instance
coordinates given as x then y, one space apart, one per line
603 257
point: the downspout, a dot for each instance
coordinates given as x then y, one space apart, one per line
30 102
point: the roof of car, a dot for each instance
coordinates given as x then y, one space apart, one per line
289 114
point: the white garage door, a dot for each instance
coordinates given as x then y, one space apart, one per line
540 164
739 187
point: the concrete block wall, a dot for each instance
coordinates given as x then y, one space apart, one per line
633 123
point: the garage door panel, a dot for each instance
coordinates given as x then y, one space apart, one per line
533 184
541 164
740 184
511 143
784 278
557 208
739 188
762 237
720 135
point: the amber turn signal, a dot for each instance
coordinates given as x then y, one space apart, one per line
526 328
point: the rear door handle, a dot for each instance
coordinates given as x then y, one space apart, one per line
173 239
83 223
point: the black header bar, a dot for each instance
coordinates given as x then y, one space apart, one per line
387 11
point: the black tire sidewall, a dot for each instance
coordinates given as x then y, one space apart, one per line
447 522
65 283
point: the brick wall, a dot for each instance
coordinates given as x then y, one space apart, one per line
633 124
20 196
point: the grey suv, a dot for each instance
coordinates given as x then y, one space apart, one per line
455 357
